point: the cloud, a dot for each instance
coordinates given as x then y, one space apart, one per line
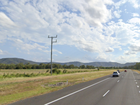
129 52
122 33
19 44
57 51
122 57
57 17
109 49
89 25
6 21
134 20
101 57
117 14
134 3
95 12
135 48
1 52
135 15
4 53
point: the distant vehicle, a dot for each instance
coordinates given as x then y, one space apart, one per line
125 70
115 74
118 71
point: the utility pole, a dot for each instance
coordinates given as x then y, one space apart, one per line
51 48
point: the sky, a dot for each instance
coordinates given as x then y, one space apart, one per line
87 30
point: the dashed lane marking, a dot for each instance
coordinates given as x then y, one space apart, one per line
106 93
75 92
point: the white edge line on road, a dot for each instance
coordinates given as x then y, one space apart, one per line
75 92
106 93
118 81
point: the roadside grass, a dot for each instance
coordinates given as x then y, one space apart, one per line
22 71
14 89
137 71
36 71
39 72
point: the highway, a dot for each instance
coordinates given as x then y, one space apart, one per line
108 90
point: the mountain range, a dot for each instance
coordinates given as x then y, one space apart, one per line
76 63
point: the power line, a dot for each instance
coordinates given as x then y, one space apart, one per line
51 48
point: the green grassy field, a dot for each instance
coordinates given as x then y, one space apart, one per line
14 89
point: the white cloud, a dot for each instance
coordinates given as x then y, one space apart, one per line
101 57
57 51
1 52
109 49
122 57
129 52
134 20
130 58
135 48
28 46
84 24
73 22
95 12
6 21
122 33
134 3
117 14
135 15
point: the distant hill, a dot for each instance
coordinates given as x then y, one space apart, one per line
97 64
76 63
15 61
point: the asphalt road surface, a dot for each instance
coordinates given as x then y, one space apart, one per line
122 90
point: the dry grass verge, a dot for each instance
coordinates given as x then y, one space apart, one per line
14 89
137 71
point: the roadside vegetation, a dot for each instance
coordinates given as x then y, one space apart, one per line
138 71
58 66
16 85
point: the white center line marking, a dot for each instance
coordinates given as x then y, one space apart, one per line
106 93
118 81
75 92
137 86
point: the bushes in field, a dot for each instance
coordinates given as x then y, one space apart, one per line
23 75
46 73
56 71
64 71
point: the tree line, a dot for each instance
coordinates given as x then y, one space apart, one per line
59 66
42 66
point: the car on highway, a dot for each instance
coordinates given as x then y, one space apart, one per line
125 70
118 71
115 74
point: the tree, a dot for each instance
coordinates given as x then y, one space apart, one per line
71 66
28 66
19 66
42 66
82 67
